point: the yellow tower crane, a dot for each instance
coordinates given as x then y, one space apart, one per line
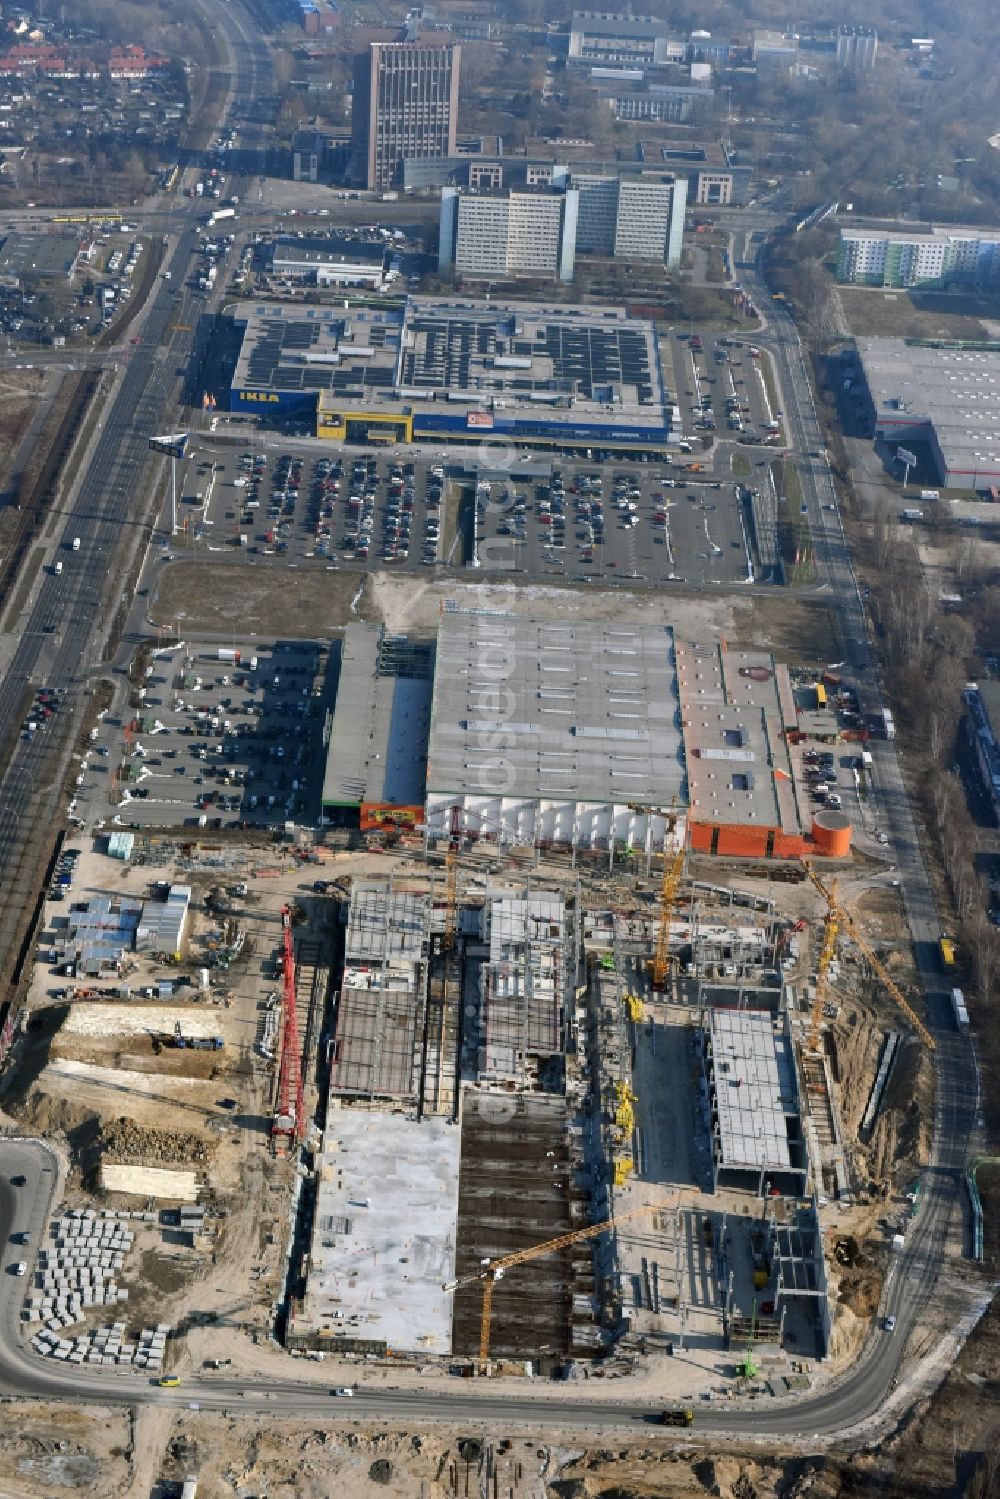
846 924
672 871
831 927
493 1270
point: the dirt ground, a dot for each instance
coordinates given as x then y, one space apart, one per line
111 1455
19 389
61 1450
899 314
206 597
58 1451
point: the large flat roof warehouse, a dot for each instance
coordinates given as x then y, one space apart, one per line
384 1236
593 734
557 709
737 709
378 738
437 369
947 395
294 352
51 256
581 358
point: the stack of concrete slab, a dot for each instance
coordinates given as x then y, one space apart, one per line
80 1270
108 1346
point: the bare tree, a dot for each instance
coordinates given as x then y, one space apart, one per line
884 535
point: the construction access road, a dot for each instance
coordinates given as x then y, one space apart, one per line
829 1414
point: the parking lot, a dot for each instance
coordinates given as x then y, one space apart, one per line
225 736
720 387
320 506
634 523
657 519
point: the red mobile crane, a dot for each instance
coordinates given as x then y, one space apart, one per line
289 1118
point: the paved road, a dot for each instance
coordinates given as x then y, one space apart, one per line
958 1084
20 1373
59 635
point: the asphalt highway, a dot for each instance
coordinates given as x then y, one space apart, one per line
958 1101
58 636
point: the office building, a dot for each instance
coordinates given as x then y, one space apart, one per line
307 152
531 233
940 257
714 189
631 218
329 262
597 37
947 397
673 104
646 222
319 17
405 106
702 47
540 230
597 214
857 47
774 49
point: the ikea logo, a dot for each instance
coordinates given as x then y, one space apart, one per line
259 395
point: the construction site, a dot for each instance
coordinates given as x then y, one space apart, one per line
485 1104
572 1125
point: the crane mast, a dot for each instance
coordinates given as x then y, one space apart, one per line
846 923
289 1118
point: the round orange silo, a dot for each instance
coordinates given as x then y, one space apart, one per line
831 833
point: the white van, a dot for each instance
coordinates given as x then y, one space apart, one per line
76 543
